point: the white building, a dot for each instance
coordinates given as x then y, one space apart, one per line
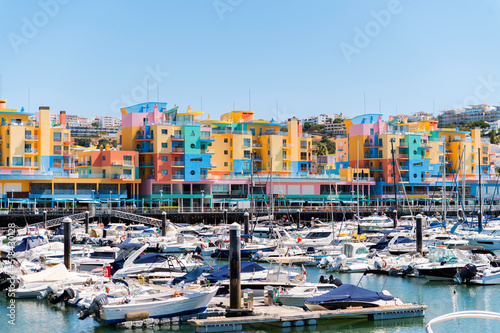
109 121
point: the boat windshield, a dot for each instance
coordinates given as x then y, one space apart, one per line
315 235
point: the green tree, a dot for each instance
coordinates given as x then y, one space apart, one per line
103 142
306 126
338 121
114 143
84 142
321 149
95 124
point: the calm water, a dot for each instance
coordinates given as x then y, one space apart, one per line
441 298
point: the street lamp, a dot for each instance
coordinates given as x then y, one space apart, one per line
161 198
202 200
109 204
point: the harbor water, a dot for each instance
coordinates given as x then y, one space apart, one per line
440 297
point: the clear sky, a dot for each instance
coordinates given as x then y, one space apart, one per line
309 57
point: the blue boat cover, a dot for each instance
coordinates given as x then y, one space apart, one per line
150 258
223 272
189 277
349 292
383 243
30 242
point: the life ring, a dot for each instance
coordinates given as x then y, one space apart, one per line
176 294
122 238
384 264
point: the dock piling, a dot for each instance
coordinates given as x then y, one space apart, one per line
45 219
67 242
246 216
234 266
87 222
419 234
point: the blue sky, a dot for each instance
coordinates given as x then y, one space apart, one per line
91 57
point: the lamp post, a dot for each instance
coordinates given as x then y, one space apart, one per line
12 196
202 200
161 198
109 204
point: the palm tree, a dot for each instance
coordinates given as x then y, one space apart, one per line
321 149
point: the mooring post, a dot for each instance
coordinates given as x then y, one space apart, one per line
234 266
298 219
45 219
163 224
419 219
395 220
246 217
67 242
225 216
87 222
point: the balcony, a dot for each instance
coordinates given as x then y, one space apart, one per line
372 145
121 176
34 151
178 176
67 152
82 163
257 145
57 139
207 151
124 162
403 156
177 150
404 167
177 137
287 145
287 157
31 164
146 164
206 136
257 158
303 147
178 163
30 137
139 137
57 152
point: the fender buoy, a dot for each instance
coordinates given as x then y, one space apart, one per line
384 263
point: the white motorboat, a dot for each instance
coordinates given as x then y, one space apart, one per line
172 303
296 296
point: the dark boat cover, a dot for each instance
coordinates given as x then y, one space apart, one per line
150 258
383 243
189 277
30 242
349 292
223 272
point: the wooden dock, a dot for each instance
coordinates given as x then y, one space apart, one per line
285 316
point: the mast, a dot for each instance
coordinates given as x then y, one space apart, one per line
456 177
272 190
480 215
444 185
252 200
357 174
463 178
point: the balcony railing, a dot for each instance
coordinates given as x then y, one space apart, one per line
205 136
30 137
120 176
177 136
31 164
124 162
32 151
143 137
287 157
207 151
177 176
146 164
177 150
178 163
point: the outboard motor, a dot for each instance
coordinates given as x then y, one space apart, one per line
94 307
339 261
334 280
67 294
6 281
466 274
322 279
51 290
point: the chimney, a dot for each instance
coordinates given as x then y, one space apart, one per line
107 147
100 147
62 118
2 103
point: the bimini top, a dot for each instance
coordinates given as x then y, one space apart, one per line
223 272
349 292
189 277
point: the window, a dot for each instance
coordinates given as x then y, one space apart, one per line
57 150
103 173
246 142
414 152
220 189
247 154
284 166
8 145
192 172
225 140
197 159
284 143
225 164
127 160
57 137
371 131
192 146
17 161
164 172
440 148
164 158
8 132
164 144
253 131
164 131
104 157
225 152
246 166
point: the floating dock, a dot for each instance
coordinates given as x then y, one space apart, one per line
285 316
